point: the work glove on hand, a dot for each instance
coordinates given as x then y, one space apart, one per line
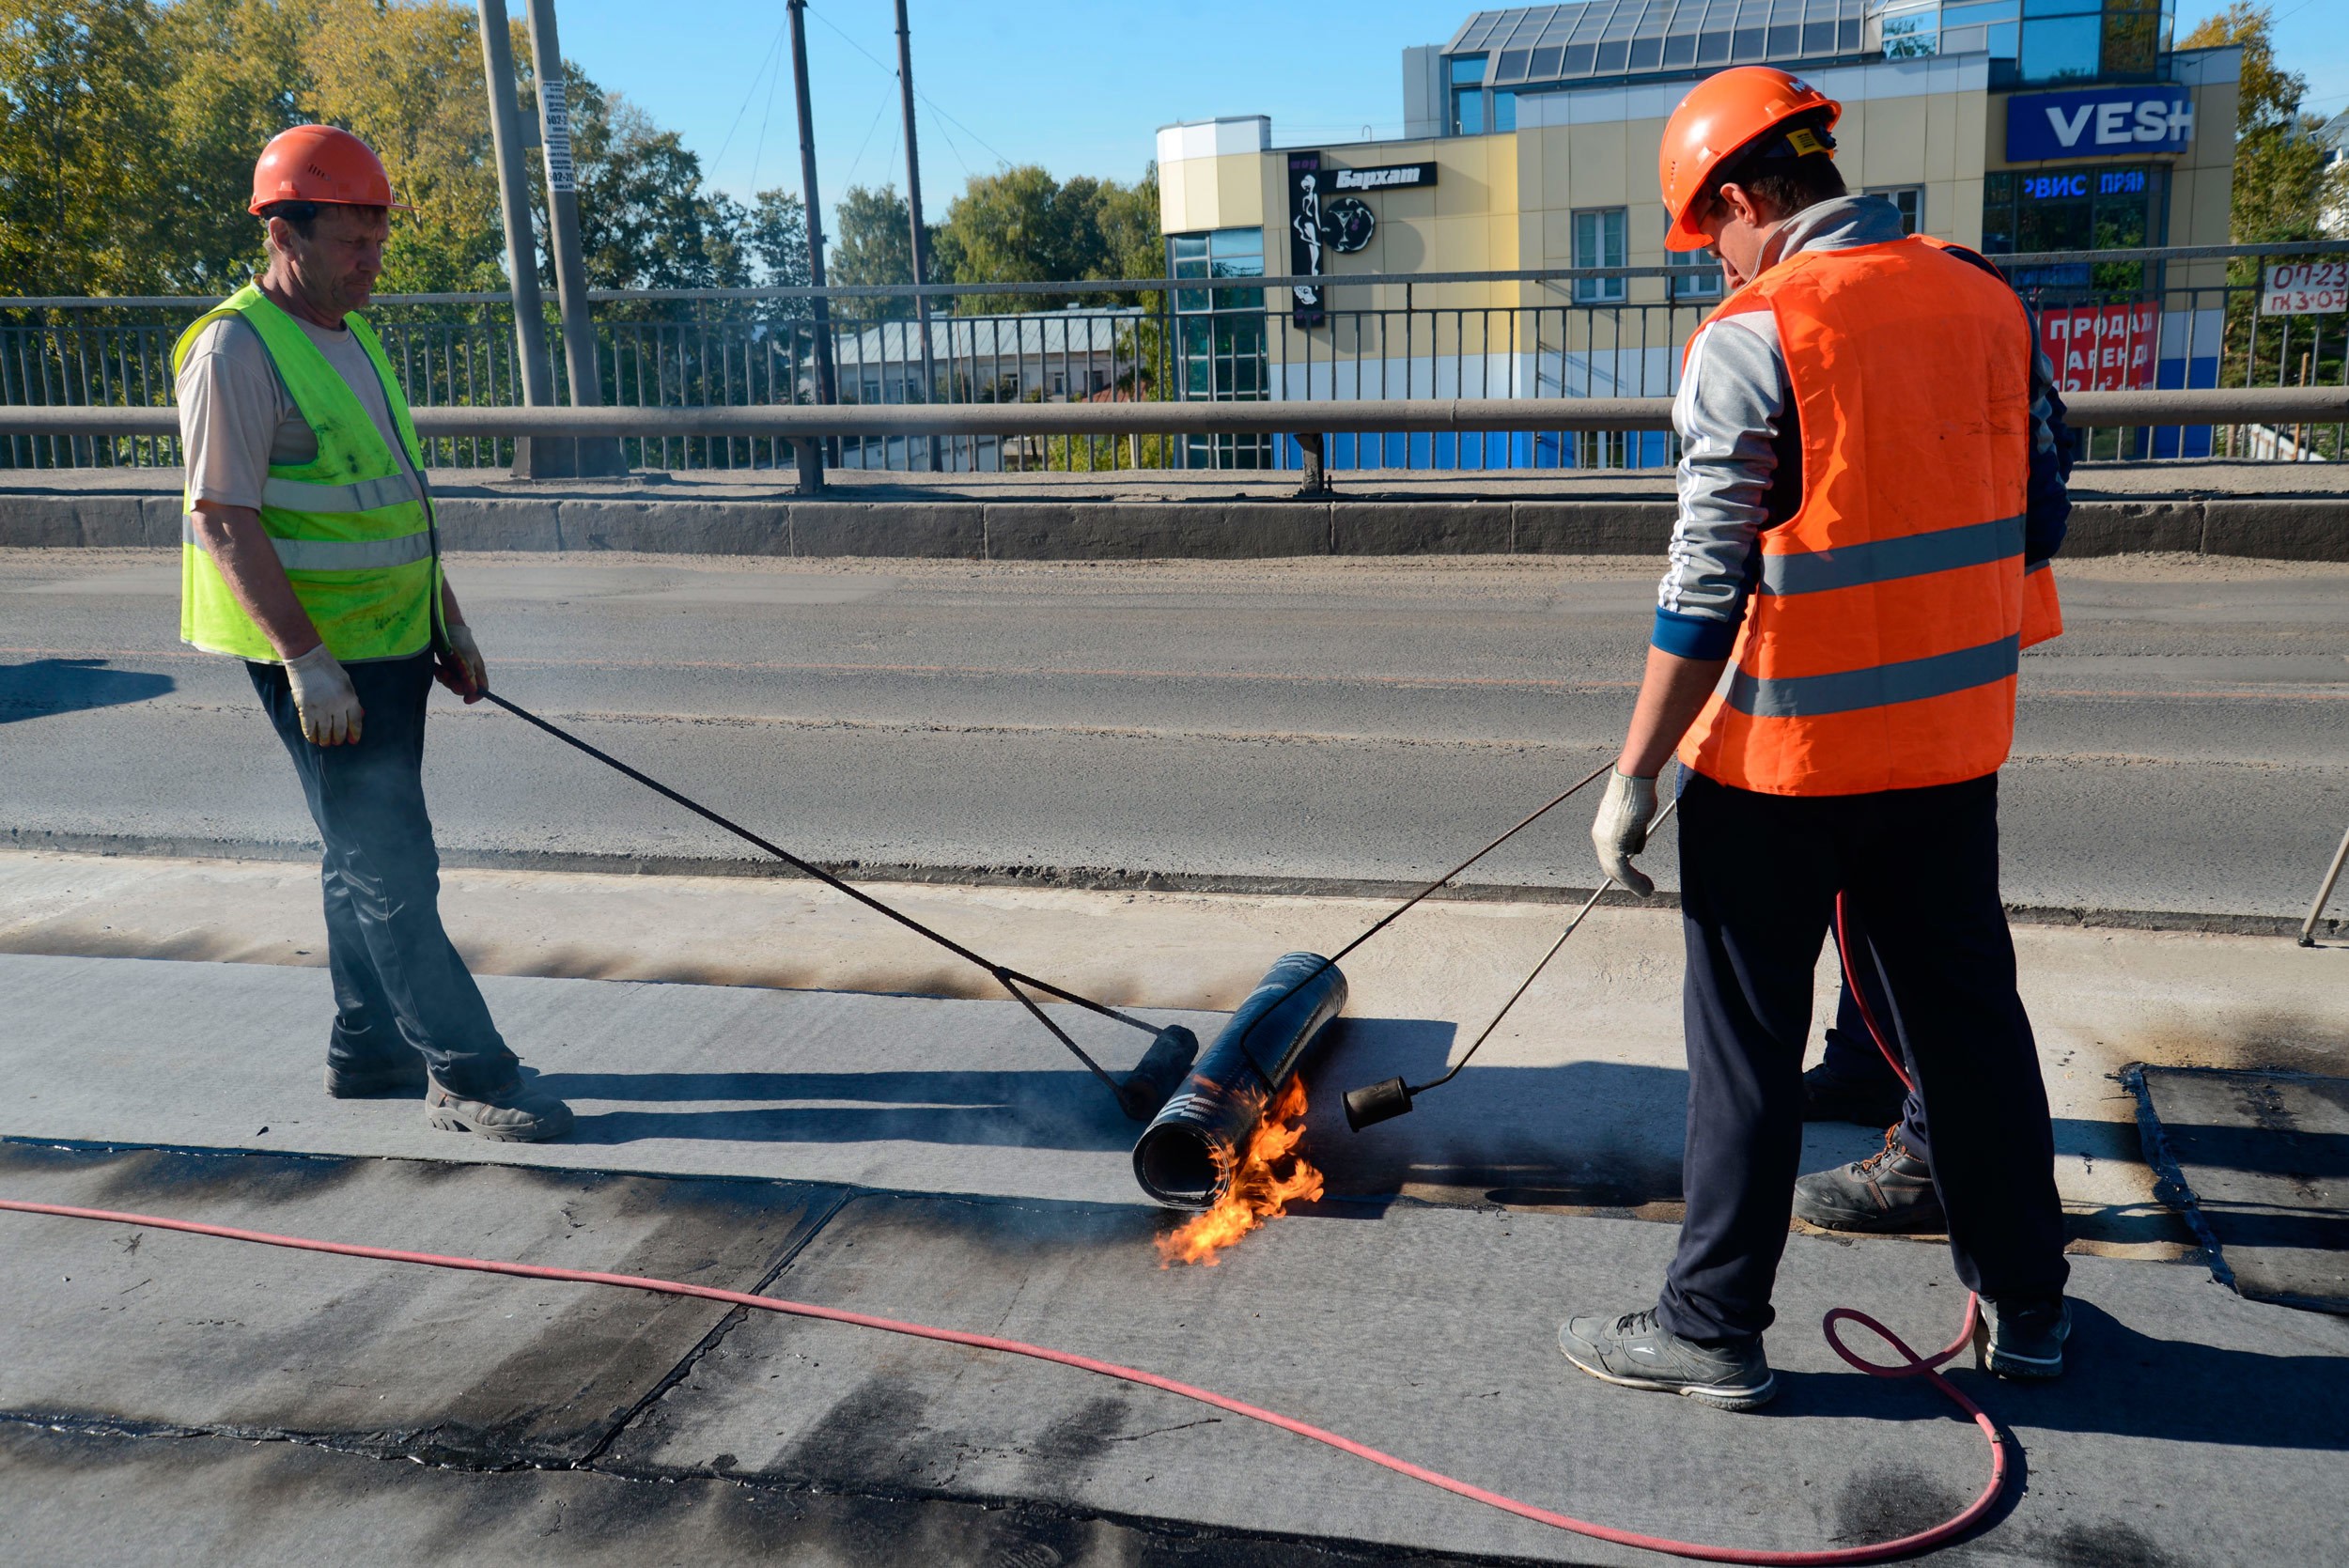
1621 828
324 698
460 667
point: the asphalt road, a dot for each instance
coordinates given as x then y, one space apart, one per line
2180 748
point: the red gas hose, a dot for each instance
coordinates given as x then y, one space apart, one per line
1913 1366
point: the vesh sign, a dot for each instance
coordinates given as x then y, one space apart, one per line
2098 122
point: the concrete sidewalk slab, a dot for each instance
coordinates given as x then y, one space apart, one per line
154 1330
2256 1161
2194 1428
103 1499
901 1092
918 1094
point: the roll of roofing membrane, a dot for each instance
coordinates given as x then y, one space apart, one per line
1187 1155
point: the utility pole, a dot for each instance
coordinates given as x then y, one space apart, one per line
811 452
914 213
522 250
595 455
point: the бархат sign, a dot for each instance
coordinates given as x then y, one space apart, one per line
2098 122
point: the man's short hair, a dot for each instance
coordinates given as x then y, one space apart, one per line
1781 171
303 215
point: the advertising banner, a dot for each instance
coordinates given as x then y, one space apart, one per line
2099 122
2101 347
1307 200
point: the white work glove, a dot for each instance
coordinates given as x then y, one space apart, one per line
1621 828
324 698
460 667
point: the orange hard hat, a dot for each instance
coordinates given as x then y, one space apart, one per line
1721 115
324 163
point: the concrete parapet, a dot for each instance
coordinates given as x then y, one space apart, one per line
1241 519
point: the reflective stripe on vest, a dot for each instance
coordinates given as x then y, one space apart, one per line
295 495
353 527
336 554
1880 647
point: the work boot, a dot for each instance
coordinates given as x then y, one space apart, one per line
403 1077
1637 1350
521 1114
1889 1193
1828 1097
2023 1339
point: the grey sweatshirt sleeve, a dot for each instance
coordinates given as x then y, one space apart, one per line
1732 403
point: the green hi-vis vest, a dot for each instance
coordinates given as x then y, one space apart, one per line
352 528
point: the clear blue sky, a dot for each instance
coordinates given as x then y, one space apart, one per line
1079 89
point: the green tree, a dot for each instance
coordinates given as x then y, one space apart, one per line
873 243
1020 225
775 234
2280 184
646 218
236 79
80 91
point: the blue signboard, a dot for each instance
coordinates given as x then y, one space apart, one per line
2098 122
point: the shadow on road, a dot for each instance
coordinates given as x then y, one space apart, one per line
52 686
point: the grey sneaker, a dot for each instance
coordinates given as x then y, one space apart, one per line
2023 1339
1889 1191
1636 1351
376 1079
522 1114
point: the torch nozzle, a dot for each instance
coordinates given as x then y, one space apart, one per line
1374 1103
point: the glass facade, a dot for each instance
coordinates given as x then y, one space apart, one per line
2031 41
1496 54
1219 338
2096 208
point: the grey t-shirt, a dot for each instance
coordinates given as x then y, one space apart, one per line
237 418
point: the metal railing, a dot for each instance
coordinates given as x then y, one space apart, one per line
1186 342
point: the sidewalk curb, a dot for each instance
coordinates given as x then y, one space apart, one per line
2295 528
1090 879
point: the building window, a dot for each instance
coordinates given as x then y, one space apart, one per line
1908 201
2062 39
1220 346
1504 111
1467 86
2112 207
1598 242
1695 275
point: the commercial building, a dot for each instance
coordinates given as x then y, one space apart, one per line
2015 125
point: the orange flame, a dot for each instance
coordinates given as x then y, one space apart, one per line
1257 1192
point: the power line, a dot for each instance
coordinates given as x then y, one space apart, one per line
771 51
772 83
917 92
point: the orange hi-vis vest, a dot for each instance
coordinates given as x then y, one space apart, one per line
1879 645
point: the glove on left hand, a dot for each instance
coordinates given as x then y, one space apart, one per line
460 667
1621 829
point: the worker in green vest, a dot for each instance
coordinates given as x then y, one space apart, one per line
309 552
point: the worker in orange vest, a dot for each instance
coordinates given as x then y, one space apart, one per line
1869 489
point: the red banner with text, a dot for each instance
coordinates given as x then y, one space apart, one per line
2101 347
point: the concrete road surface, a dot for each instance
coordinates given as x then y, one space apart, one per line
2181 749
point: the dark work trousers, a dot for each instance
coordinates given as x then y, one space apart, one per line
1852 1054
398 983
1759 874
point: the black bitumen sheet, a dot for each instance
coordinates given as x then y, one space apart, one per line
2257 1162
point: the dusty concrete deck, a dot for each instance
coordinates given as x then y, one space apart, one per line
2195 1428
935 1157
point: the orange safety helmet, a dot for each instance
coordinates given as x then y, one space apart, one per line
322 164
1721 115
